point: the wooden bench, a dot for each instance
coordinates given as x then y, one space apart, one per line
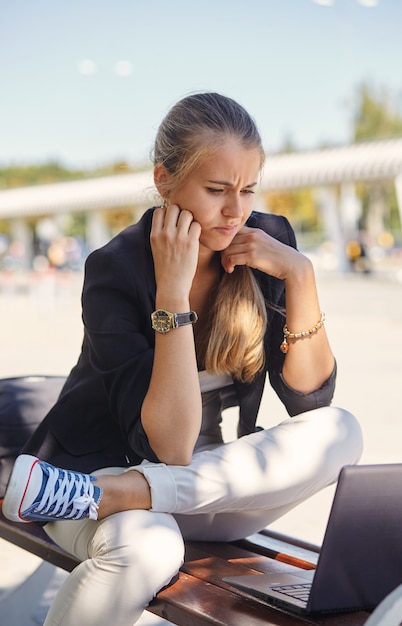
199 596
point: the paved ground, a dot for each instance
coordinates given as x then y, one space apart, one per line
41 333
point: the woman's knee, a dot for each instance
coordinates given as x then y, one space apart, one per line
144 541
350 433
342 431
126 559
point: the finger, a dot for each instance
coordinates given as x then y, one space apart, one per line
228 263
185 219
195 230
158 219
238 255
171 216
169 210
244 230
232 253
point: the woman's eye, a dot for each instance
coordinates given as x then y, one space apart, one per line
248 191
214 190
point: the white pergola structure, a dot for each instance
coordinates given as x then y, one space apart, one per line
327 171
323 170
92 197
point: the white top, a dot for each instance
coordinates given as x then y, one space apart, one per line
209 382
218 393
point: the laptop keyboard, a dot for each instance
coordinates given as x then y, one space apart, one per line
300 592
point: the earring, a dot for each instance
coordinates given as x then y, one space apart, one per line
165 203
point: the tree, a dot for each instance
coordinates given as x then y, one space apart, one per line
375 116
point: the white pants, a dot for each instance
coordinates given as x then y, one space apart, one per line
227 492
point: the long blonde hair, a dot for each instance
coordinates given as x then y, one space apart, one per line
192 130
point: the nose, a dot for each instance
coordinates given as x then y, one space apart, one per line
233 208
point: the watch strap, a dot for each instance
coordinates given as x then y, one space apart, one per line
181 319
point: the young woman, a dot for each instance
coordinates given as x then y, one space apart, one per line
184 313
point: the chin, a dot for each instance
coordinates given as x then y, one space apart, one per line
218 249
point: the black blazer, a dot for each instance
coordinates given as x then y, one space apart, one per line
96 420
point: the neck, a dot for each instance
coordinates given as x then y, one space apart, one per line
206 277
207 260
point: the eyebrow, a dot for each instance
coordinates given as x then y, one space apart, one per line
227 184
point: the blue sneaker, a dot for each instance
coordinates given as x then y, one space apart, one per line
40 492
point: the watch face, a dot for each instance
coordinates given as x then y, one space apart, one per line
161 321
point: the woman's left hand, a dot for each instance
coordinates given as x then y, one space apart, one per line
258 250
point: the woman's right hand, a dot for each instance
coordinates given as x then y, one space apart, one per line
175 246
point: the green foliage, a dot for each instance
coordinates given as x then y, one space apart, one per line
24 175
375 117
298 206
53 172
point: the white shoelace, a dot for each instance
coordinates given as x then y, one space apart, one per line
60 497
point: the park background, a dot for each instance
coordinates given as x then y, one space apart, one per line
84 87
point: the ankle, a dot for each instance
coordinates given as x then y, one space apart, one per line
125 492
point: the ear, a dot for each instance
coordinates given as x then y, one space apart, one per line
161 179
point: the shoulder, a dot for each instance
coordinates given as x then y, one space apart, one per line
275 225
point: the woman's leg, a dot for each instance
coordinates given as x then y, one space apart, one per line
224 526
271 470
126 559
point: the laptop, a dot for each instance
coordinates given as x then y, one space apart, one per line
360 560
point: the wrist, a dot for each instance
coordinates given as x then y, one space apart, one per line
163 321
172 303
301 271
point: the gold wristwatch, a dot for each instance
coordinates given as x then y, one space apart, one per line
163 321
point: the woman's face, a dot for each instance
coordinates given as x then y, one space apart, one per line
220 193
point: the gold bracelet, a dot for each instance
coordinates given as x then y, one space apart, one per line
304 333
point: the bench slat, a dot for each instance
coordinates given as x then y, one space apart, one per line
32 538
207 604
266 548
271 542
247 562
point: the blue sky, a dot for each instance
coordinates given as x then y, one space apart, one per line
294 64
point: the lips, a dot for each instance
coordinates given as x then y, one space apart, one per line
227 230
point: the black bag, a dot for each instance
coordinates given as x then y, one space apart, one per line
24 402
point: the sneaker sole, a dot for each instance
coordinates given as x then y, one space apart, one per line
17 486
